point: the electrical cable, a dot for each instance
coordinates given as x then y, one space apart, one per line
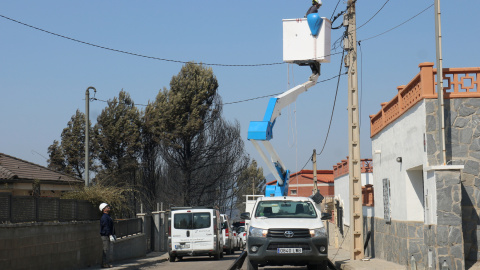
361 85
399 24
373 15
134 54
334 10
333 108
250 99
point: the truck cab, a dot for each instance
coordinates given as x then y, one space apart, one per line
286 231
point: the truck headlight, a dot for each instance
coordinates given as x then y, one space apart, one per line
257 232
318 232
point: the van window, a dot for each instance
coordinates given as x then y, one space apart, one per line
191 220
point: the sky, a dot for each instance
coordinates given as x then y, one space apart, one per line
43 77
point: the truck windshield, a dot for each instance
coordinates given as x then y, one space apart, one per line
285 209
191 220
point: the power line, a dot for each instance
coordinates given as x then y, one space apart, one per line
333 108
250 99
373 15
130 53
399 24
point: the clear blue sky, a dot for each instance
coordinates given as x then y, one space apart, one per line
43 77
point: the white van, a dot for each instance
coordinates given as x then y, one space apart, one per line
194 231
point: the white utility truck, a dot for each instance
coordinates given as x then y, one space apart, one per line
286 231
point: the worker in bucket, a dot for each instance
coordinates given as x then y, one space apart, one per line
316 4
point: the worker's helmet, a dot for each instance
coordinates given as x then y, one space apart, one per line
102 205
314 2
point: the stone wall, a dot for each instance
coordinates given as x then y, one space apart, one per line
462 123
399 241
48 245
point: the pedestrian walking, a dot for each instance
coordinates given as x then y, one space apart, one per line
107 233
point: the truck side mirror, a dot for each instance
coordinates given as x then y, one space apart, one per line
245 215
326 216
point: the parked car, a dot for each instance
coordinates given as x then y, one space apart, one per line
237 245
228 239
242 235
194 231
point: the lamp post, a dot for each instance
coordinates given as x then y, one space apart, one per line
87 126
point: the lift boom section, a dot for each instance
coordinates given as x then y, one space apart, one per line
305 42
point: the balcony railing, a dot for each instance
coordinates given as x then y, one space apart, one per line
458 83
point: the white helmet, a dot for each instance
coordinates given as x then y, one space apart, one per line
102 205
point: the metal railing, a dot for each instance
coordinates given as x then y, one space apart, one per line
127 227
17 209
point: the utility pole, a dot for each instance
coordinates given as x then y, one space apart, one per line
314 159
440 100
87 127
355 183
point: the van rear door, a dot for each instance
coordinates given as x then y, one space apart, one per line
192 230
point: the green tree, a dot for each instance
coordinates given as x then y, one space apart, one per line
69 156
118 144
200 151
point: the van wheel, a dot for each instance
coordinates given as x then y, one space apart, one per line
232 251
252 265
221 255
171 258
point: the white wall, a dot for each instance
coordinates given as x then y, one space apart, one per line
342 193
403 138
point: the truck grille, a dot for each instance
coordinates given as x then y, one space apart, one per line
285 233
274 246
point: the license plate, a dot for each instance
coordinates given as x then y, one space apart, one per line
289 250
182 246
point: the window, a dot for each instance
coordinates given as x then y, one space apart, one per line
191 220
293 192
285 209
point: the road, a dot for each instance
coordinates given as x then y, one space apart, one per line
206 263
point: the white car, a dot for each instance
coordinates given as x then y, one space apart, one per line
242 234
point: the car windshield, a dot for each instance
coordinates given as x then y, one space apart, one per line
285 209
241 229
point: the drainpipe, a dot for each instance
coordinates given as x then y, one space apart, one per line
440 112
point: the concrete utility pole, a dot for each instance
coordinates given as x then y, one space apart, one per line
87 121
355 183
440 101
314 159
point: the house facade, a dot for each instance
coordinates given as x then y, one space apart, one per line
339 231
426 211
301 183
22 178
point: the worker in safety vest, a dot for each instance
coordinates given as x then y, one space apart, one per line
316 4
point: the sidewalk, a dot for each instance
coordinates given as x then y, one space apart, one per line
341 259
152 258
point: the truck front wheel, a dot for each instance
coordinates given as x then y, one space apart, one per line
252 265
321 266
